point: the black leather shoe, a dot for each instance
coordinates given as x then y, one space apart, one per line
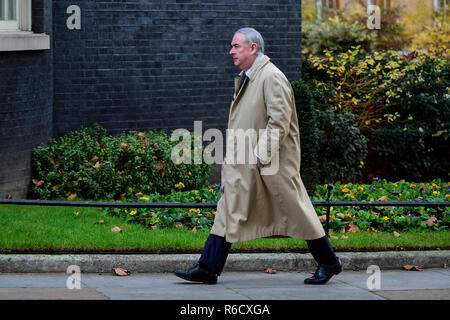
197 274
324 273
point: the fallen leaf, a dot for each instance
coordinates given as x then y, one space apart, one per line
372 229
351 228
333 237
72 196
383 198
141 134
155 145
99 222
194 229
116 229
161 166
125 147
422 188
121 272
306 51
396 234
97 165
145 142
398 248
431 221
8 196
445 265
340 215
270 270
38 183
323 218
95 158
344 237
412 268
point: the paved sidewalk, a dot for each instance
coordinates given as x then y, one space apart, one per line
429 284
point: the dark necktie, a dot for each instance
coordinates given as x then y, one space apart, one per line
243 80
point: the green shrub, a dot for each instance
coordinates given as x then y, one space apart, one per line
88 164
307 122
337 36
400 103
343 148
436 37
333 148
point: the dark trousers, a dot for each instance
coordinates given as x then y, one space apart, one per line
216 249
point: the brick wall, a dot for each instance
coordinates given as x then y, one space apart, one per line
25 107
160 64
134 65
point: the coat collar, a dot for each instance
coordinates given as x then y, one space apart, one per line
255 70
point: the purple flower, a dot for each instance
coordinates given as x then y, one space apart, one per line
217 186
135 198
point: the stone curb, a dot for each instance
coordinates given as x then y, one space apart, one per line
155 263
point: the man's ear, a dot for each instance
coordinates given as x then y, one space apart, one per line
254 46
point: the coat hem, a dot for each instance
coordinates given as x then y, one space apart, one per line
233 239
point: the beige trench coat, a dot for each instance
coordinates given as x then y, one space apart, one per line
253 204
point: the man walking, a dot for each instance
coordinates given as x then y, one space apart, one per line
258 201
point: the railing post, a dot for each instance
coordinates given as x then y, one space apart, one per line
327 223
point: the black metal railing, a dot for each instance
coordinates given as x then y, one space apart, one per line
328 204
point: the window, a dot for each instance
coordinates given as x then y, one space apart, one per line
15 15
15 28
8 15
440 6
332 4
383 4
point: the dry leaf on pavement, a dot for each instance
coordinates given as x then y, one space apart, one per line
409 267
121 272
270 270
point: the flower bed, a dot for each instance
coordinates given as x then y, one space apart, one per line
188 218
387 218
344 219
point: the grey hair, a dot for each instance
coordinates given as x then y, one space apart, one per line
252 36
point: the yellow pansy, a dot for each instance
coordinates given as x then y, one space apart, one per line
132 213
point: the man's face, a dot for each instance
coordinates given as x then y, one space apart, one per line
243 54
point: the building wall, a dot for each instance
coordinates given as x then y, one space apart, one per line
133 65
25 107
160 64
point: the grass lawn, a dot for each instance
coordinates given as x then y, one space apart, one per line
27 229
